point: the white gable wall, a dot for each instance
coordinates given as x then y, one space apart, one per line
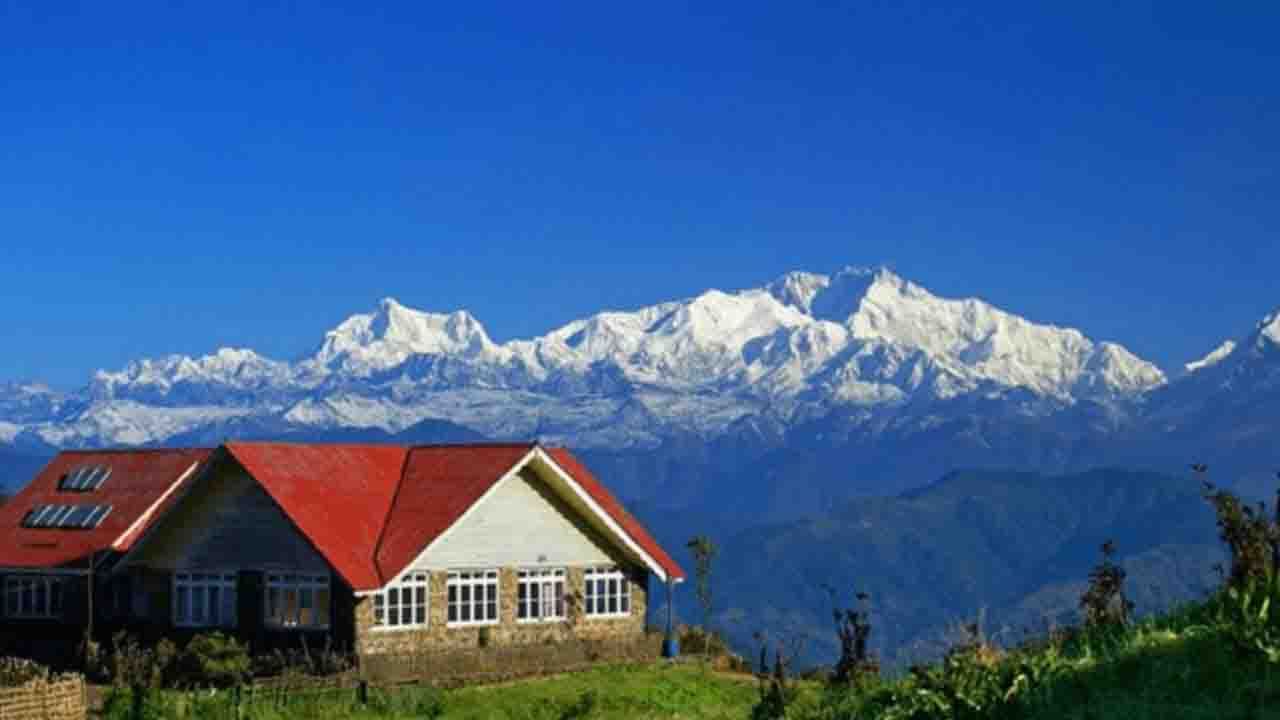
519 523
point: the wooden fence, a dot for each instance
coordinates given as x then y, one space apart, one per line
58 698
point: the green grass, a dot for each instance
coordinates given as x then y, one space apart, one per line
639 692
1219 659
650 692
1185 664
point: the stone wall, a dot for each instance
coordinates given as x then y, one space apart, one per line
450 667
57 699
507 632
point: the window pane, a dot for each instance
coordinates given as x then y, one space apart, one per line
420 595
393 597
290 606
229 606
420 614
466 612
197 605
453 613
215 605
322 606
55 597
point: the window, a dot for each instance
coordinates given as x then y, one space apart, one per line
298 601
86 478
33 597
204 599
608 592
74 517
540 595
473 597
403 604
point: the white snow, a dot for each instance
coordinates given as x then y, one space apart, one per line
860 337
1213 358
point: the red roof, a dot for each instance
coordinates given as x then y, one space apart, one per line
370 510
338 496
139 480
440 483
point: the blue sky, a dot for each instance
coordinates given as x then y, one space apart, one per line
174 180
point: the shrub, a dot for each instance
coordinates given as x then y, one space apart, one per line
17 671
134 666
1251 537
214 660
1104 602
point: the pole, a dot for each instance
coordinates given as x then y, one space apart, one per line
670 644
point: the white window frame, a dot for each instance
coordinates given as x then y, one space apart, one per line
412 594
24 587
540 589
597 578
203 584
468 582
303 586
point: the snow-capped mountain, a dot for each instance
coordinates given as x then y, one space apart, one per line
794 348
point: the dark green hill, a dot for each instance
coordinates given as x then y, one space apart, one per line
1017 546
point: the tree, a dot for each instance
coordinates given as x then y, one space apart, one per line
704 552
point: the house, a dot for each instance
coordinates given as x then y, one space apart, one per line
380 549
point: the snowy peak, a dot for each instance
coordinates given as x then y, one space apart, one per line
1218 354
392 333
834 298
1268 331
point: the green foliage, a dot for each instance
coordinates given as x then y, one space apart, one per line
132 665
1104 602
704 554
18 671
213 660
1252 538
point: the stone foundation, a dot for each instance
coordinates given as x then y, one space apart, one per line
508 632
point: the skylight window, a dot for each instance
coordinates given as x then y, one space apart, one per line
85 478
73 517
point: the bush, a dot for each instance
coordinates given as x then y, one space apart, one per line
17 671
213 660
131 665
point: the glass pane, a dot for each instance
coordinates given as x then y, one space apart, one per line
229 606
197 605
290 606
453 613
493 611
55 597
215 605
534 607
377 610
322 606
626 604
466 594
273 605
406 615
181 604
12 593
420 615
466 612
420 595
393 597
613 603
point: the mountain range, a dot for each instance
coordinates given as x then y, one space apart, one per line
810 389
804 424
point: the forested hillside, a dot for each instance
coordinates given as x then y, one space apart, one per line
1014 547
